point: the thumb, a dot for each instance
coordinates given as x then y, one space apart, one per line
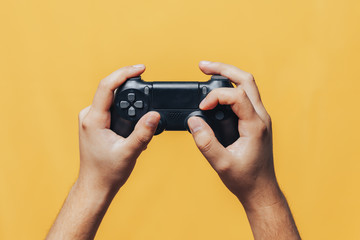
206 141
143 132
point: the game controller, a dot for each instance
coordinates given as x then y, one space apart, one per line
176 102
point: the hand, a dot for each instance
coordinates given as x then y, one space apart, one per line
246 167
107 159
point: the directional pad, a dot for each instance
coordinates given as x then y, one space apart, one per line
131 97
131 111
132 104
138 104
124 104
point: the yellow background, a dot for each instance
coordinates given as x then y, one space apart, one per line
303 54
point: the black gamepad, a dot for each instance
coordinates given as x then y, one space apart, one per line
176 102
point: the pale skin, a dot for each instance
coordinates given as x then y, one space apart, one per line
246 167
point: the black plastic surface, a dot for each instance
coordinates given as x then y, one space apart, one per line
176 102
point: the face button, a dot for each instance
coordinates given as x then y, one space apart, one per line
219 115
124 104
131 111
138 104
146 90
131 97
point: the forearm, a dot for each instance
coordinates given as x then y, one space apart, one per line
106 160
270 216
81 213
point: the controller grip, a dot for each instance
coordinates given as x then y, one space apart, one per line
226 130
120 125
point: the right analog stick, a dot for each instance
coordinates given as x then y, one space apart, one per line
194 114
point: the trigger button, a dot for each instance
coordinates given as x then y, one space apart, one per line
218 77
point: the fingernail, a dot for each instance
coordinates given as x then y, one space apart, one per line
151 121
202 104
139 66
195 124
205 62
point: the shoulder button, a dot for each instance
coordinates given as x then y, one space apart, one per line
218 77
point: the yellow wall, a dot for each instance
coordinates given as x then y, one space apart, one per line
303 54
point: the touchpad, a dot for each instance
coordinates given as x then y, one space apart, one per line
171 95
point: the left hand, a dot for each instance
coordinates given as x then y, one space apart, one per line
107 159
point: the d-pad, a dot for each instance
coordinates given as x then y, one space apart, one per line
131 104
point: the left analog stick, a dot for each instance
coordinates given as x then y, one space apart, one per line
161 126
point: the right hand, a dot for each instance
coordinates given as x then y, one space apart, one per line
246 166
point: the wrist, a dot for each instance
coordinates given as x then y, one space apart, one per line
94 193
269 214
267 193
82 212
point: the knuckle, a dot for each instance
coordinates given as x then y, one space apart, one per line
205 144
222 93
123 72
86 123
213 93
241 92
104 84
268 120
142 139
261 129
228 70
249 77
226 96
223 166
81 115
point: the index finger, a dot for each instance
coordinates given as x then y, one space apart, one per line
236 97
239 77
105 92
